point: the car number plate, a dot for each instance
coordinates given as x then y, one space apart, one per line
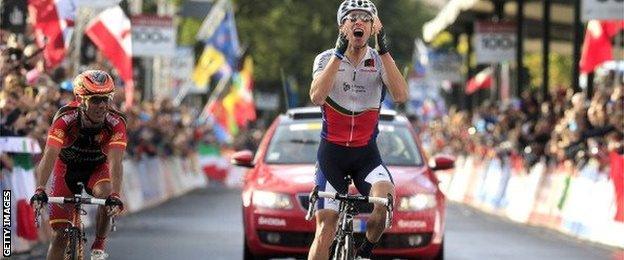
359 225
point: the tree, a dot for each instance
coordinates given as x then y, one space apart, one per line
289 34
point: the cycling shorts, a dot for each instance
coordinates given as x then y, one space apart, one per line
65 184
335 162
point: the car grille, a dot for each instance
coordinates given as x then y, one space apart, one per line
304 239
289 239
363 208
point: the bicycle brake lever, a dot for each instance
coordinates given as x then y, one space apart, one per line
312 203
113 225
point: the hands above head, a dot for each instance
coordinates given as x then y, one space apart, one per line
342 43
381 42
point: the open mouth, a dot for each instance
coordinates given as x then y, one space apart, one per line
358 33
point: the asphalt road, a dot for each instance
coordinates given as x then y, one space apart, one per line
206 224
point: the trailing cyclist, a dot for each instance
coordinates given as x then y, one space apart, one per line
349 83
85 143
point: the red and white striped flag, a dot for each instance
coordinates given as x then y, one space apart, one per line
110 31
482 80
53 24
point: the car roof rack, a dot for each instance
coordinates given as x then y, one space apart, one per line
315 112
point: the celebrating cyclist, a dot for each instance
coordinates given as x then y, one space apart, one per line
349 83
86 143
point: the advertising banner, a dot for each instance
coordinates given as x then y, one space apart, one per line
495 42
153 36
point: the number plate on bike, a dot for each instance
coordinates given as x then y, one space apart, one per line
359 225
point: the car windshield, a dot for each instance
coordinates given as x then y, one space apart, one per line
296 143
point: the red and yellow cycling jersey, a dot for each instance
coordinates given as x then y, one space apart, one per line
81 145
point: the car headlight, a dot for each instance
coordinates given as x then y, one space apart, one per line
418 202
272 200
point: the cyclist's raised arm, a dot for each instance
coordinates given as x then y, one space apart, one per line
391 77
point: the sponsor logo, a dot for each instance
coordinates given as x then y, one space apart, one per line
6 223
112 120
117 137
369 63
70 117
412 224
271 221
58 133
355 88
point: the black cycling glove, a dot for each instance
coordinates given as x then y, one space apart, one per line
341 46
40 196
382 45
114 200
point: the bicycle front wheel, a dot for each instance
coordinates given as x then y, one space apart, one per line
344 249
74 246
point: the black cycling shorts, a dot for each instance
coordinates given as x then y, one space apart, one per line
335 162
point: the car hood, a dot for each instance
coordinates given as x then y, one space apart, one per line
300 178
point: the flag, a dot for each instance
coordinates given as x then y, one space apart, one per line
53 23
239 102
597 43
222 50
110 31
208 64
225 39
482 80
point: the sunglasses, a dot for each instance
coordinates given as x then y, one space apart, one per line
359 16
95 100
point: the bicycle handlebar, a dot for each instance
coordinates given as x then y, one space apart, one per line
64 200
338 196
388 202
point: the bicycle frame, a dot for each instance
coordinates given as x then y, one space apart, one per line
344 234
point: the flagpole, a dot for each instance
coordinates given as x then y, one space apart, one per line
215 94
286 103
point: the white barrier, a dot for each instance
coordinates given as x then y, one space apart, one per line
579 202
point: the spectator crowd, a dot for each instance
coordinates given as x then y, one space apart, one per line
31 93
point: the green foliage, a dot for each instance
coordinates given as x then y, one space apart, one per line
187 30
289 34
560 69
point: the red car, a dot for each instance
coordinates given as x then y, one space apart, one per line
275 190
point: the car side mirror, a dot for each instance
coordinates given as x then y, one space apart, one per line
243 158
442 162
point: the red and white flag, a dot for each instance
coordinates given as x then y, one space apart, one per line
53 24
482 80
597 43
110 31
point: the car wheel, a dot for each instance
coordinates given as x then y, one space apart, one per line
440 255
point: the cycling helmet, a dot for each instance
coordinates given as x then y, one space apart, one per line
93 83
352 5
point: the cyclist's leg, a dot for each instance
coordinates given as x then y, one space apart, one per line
329 177
100 186
373 179
60 215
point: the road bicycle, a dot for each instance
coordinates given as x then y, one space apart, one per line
75 232
343 244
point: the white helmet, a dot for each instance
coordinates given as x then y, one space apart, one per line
352 5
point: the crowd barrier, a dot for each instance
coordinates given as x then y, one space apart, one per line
146 183
585 201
